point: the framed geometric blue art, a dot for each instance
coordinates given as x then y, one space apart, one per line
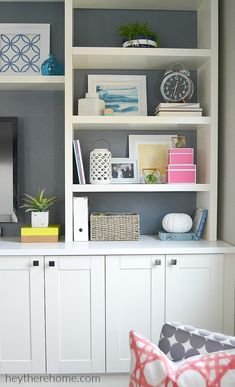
23 48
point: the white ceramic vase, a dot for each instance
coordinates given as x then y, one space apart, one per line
39 219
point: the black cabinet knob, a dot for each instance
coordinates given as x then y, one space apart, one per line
158 262
173 262
51 263
35 263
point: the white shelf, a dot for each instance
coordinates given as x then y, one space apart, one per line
80 188
137 58
32 82
147 244
138 123
184 5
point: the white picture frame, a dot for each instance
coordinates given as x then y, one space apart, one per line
151 151
125 94
23 48
124 171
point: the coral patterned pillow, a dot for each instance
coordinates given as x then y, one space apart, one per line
150 367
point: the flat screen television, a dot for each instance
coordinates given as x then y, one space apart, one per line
8 170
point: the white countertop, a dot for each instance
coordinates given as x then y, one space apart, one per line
147 244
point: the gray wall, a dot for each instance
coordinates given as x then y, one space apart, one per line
227 123
41 114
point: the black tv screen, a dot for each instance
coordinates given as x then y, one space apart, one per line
8 170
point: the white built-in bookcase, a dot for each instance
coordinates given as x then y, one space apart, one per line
204 59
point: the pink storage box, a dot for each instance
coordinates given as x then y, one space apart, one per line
181 156
181 174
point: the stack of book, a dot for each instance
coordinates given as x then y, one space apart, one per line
178 109
48 234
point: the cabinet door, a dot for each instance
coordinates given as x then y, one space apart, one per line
194 290
75 315
134 300
22 334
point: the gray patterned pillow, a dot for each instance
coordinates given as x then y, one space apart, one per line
180 341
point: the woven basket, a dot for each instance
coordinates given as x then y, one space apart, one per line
106 226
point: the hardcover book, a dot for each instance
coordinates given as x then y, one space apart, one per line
199 222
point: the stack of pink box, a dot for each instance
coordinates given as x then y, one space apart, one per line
181 167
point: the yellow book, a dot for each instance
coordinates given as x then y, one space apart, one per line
52 230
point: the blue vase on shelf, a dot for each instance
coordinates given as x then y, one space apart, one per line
51 66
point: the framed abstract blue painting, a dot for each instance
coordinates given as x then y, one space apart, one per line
23 48
124 94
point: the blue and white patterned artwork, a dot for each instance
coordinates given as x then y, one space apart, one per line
122 98
23 53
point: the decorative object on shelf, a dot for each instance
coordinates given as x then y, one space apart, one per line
152 176
38 206
124 94
181 156
79 162
179 173
23 48
180 109
181 168
178 141
80 219
100 165
107 226
51 66
194 233
91 105
48 234
177 86
138 35
177 222
151 151
124 170
199 222
176 236
108 112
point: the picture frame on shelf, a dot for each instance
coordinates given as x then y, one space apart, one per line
124 170
124 94
150 151
23 48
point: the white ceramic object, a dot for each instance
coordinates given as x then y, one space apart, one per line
100 166
40 219
177 222
92 105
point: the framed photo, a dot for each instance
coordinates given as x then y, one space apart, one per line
151 152
125 94
23 48
124 170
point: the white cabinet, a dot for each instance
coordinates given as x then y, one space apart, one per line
135 287
75 314
194 290
142 292
22 333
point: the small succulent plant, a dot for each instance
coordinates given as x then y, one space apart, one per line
38 203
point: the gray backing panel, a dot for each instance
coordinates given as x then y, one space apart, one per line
98 28
40 147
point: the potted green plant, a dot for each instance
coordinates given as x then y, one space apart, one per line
38 206
138 35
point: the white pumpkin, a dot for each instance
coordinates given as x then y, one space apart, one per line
177 222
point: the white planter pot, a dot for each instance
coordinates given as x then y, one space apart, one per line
40 219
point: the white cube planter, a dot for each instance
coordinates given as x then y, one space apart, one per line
40 219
